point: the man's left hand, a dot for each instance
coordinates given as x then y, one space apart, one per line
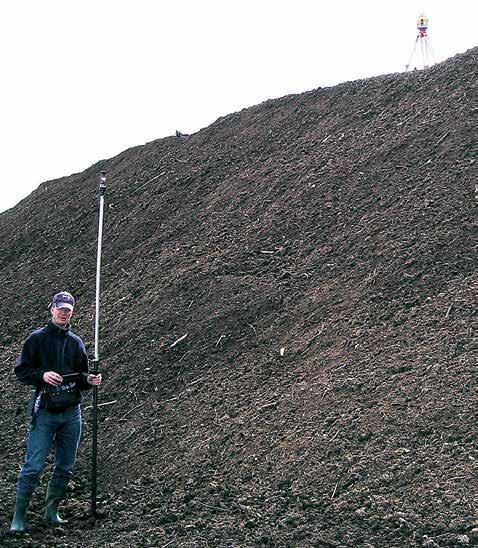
94 380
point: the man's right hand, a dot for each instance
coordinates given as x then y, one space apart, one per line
50 377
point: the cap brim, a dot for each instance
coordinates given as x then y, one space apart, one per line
64 305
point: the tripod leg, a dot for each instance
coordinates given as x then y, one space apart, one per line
423 53
413 53
431 54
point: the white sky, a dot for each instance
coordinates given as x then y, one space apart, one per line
83 81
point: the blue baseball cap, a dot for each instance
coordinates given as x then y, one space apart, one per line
63 300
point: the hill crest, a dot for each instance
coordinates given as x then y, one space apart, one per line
336 225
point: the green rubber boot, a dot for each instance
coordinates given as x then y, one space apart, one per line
52 500
20 516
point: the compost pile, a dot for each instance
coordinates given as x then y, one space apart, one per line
287 334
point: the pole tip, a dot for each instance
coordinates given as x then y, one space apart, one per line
102 182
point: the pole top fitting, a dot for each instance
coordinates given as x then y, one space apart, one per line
102 182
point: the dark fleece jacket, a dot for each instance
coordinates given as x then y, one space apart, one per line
52 348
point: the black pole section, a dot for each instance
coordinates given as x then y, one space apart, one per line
94 455
96 358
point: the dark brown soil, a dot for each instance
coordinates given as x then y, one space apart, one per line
338 225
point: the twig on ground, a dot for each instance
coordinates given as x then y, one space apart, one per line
101 404
131 410
151 180
442 138
212 507
310 341
178 341
220 339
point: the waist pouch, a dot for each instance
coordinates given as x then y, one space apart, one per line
57 398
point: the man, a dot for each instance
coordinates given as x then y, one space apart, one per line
54 361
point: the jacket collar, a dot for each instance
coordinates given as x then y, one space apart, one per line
57 330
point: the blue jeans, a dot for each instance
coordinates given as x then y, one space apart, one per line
48 428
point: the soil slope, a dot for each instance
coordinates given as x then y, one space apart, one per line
287 336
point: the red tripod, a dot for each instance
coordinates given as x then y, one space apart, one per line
427 55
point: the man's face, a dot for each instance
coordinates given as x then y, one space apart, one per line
61 316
